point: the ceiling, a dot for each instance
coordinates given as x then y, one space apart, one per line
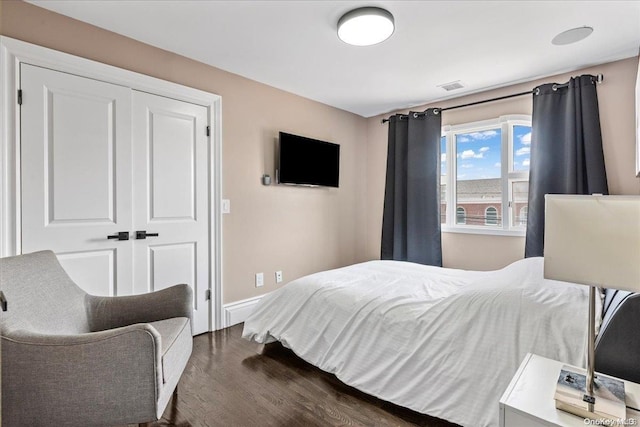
293 45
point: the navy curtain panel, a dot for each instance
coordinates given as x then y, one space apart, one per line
411 216
566 150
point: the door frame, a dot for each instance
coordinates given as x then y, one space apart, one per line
15 52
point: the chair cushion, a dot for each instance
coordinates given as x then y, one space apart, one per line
176 347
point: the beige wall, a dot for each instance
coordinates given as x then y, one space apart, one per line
296 230
483 252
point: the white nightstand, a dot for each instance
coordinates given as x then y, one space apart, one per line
528 401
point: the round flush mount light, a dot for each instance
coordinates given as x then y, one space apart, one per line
572 36
365 26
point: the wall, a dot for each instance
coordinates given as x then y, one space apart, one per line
296 230
483 252
301 230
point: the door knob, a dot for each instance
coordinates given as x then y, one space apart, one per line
142 234
121 235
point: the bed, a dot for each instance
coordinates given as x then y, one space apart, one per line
440 341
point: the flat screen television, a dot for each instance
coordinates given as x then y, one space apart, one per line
307 161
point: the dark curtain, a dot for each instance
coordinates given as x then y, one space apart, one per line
411 217
566 150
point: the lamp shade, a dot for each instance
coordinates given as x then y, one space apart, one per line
593 240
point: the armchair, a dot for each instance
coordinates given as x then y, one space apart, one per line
73 359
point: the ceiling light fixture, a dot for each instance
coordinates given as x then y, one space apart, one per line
365 26
572 36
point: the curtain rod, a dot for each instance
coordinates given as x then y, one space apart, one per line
599 79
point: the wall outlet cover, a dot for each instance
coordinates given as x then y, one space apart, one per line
226 206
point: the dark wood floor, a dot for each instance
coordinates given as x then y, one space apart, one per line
233 382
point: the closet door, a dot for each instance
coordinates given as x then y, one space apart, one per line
171 198
76 176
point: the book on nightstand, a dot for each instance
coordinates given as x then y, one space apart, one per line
608 393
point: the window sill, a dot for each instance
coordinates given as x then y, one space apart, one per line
482 230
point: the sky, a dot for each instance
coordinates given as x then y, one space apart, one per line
478 153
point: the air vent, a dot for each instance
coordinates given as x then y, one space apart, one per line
452 85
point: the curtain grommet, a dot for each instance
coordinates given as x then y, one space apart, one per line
537 91
415 115
554 87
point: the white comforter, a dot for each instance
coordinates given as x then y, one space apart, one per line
440 341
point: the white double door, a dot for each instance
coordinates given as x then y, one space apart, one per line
101 162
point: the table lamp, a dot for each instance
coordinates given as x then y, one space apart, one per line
594 241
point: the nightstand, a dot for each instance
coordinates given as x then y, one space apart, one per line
528 401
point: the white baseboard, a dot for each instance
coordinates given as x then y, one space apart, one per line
238 311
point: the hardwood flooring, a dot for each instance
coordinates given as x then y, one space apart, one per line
230 381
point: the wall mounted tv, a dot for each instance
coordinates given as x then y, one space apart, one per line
306 161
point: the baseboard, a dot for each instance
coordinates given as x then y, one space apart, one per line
238 311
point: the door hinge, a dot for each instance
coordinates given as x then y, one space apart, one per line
208 131
207 294
19 96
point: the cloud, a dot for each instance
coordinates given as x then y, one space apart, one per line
497 165
525 162
470 154
479 136
476 136
467 154
443 157
523 151
466 165
483 149
526 138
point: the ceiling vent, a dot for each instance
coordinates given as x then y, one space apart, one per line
452 85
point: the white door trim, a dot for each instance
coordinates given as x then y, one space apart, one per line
14 52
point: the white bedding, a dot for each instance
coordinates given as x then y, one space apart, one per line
440 341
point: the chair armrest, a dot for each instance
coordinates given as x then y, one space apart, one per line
112 376
114 312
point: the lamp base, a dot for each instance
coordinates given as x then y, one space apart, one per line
606 402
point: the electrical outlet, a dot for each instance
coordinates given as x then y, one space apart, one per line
278 276
226 206
259 279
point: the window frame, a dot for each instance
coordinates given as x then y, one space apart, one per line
508 175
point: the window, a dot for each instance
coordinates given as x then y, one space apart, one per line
485 175
523 215
461 215
491 216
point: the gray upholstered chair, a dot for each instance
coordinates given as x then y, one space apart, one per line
73 359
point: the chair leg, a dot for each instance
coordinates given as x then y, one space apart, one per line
175 392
